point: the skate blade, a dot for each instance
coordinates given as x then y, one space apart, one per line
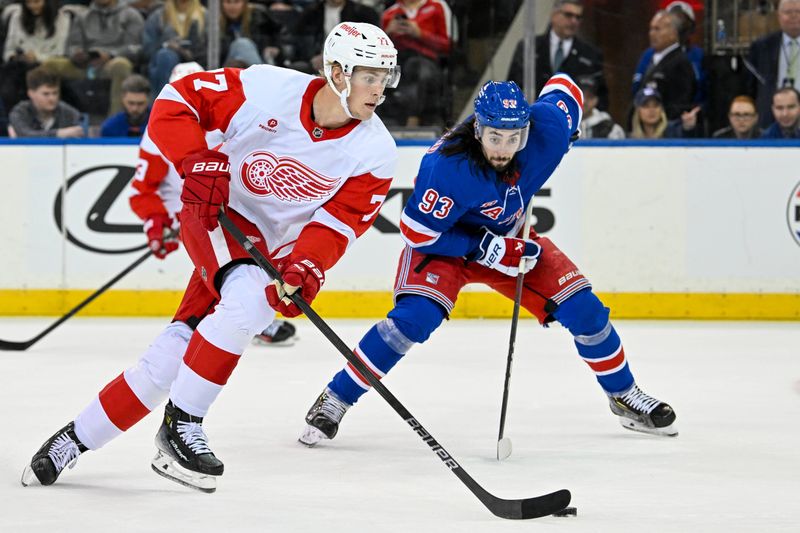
28 477
311 436
282 344
667 431
165 466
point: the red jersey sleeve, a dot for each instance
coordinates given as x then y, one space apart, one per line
188 108
151 170
342 219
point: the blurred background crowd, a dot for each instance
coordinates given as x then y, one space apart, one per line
649 69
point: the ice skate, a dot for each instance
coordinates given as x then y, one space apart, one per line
323 418
183 454
58 452
279 333
638 411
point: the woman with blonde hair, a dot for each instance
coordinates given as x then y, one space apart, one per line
174 33
649 118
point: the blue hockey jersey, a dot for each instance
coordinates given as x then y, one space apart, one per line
454 200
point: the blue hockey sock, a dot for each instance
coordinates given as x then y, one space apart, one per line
596 340
411 321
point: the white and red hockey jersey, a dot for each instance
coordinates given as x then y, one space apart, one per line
308 189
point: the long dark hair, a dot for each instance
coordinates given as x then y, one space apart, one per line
462 140
49 14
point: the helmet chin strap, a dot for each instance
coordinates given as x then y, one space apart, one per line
342 95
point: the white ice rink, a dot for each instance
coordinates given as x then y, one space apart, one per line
735 466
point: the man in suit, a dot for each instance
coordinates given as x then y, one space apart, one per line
669 71
774 60
560 50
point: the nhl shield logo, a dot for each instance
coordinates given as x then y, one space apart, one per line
793 213
317 133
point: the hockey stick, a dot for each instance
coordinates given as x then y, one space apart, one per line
504 443
24 345
514 509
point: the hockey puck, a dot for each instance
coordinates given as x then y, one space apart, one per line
567 511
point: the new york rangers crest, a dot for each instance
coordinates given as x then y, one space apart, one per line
262 173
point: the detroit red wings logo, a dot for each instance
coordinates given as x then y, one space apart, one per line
263 173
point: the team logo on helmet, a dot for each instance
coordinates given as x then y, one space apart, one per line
793 213
263 173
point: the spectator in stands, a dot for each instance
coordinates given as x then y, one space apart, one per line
104 42
596 124
786 110
422 32
317 20
669 71
174 33
561 50
249 36
44 115
36 31
136 104
774 60
743 120
694 54
650 119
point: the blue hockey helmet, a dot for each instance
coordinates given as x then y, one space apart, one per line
502 105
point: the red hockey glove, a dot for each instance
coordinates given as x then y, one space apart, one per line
162 237
206 185
505 253
297 274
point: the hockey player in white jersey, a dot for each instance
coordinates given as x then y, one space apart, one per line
155 198
304 167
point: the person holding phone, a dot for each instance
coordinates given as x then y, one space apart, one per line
423 31
104 42
174 33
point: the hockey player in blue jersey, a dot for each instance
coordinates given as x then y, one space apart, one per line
463 225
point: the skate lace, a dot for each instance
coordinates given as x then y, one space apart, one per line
193 436
333 408
63 452
638 400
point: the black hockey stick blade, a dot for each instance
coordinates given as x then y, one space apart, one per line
512 509
528 508
19 346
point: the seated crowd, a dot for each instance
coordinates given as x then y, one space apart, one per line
109 58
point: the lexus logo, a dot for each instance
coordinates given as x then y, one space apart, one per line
93 213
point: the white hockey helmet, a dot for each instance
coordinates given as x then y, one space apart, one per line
358 44
184 69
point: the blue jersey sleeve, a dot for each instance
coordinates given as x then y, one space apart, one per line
559 107
440 198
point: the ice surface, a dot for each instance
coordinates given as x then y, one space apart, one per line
735 466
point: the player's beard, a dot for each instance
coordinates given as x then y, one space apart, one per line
500 163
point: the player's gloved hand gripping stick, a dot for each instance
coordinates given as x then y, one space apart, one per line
514 509
206 185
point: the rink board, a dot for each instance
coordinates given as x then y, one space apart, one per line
709 231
